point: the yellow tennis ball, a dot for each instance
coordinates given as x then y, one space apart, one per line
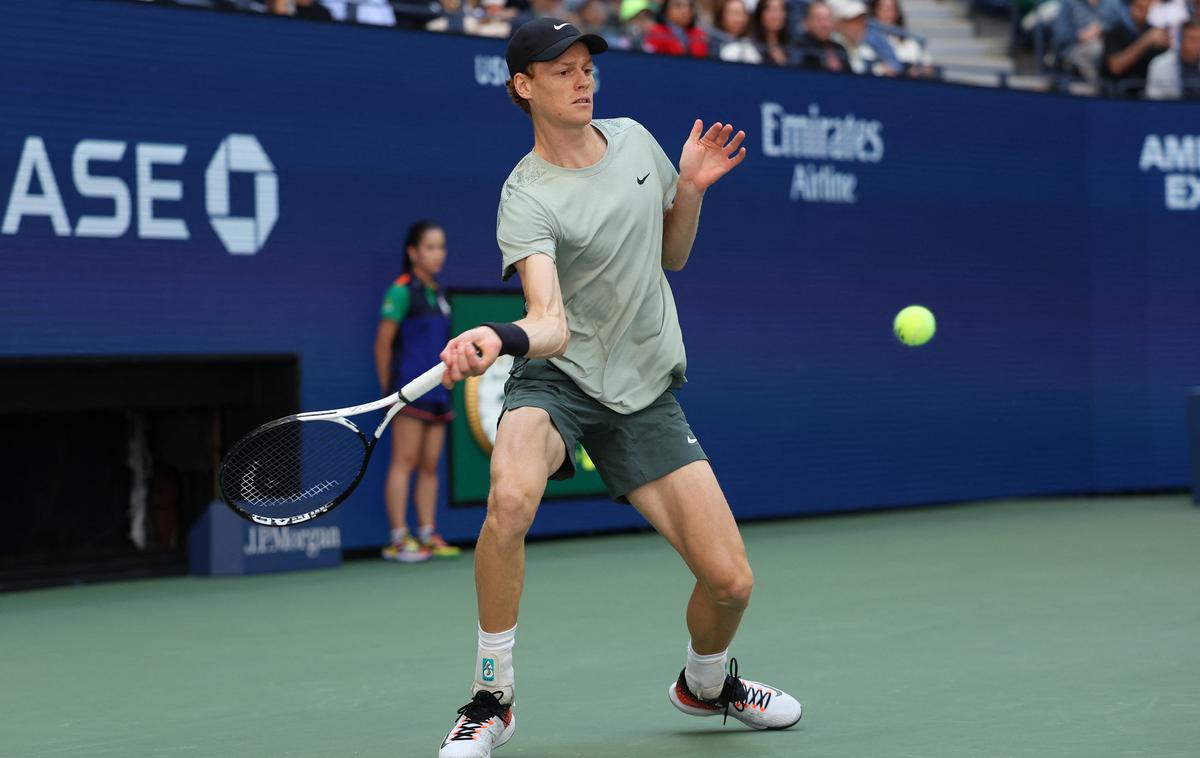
914 325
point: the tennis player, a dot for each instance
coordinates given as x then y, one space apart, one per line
589 219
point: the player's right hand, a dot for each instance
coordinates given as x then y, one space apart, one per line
470 354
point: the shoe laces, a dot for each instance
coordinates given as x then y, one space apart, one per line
739 695
483 707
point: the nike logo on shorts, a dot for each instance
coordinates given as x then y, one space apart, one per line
559 26
692 440
643 179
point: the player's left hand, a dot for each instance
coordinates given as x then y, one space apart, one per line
709 155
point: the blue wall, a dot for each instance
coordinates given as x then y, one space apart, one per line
1064 286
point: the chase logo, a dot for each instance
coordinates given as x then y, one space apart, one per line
240 235
488 670
34 197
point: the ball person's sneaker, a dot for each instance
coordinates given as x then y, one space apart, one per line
439 548
408 551
757 705
483 725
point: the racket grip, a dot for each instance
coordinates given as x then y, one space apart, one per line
423 383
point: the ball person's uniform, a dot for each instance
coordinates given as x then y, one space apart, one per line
603 227
423 318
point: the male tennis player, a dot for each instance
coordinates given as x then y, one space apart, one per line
589 219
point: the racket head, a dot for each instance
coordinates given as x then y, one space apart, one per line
293 469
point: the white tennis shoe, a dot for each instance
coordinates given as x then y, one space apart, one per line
483 725
757 705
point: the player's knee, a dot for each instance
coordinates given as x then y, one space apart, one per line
733 589
510 510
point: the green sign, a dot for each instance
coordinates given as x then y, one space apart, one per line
469 458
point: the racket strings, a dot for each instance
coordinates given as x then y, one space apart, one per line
293 468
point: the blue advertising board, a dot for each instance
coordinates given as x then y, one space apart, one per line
222 543
178 182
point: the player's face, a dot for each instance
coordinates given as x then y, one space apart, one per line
563 88
429 255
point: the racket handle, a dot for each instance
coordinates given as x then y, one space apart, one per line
427 381
423 383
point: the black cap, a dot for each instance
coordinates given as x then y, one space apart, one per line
544 39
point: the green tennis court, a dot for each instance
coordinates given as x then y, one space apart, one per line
1063 627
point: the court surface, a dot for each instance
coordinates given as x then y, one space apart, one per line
1067 627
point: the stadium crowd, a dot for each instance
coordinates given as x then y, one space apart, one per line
1139 48
1133 48
852 36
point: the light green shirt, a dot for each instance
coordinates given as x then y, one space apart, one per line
603 227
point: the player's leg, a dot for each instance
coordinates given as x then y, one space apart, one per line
528 451
688 508
426 488
407 436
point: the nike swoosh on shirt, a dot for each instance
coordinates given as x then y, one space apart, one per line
643 179
559 26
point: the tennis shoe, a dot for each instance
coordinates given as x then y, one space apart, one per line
757 705
483 725
439 548
407 550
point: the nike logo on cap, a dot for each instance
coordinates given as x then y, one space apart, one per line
558 26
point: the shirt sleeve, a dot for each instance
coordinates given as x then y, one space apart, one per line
523 228
668 177
395 304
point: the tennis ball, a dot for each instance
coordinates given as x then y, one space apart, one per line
914 325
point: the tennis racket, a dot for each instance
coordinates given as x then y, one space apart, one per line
300 467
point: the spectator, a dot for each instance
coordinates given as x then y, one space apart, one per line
493 20
1078 33
540 8
1168 14
306 9
817 48
1129 48
851 21
414 325
637 19
676 31
1175 74
452 19
911 54
596 17
771 31
731 40
374 12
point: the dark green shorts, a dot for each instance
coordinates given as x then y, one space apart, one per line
628 450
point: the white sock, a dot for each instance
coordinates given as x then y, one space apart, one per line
398 535
494 664
705 674
424 533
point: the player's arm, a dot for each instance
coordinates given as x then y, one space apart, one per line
543 333
704 160
384 338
